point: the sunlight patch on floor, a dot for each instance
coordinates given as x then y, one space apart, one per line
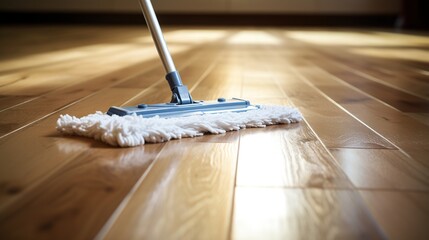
357 39
83 66
192 36
393 53
254 37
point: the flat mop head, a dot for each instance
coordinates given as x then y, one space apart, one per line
133 130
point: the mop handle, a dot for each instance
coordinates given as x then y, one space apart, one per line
158 38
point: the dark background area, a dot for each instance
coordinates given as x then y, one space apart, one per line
413 14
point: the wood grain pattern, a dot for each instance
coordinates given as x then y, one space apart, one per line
394 125
38 41
89 187
275 213
23 169
220 82
317 109
74 70
395 77
403 101
379 67
399 77
193 72
286 156
188 191
198 175
336 128
406 133
38 208
14 118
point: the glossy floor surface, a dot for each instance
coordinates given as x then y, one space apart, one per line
356 168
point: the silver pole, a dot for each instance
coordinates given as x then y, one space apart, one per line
158 38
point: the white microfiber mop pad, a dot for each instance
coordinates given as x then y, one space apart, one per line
129 131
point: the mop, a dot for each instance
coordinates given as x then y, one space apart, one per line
182 117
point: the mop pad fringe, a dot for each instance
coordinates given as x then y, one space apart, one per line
133 130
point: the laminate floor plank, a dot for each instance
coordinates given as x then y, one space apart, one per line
406 80
202 64
409 135
422 117
296 158
38 41
76 200
406 133
198 175
42 79
105 198
336 128
276 213
85 62
193 70
186 195
370 61
400 100
192 74
386 73
7 102
55 100
319 112
45 79
27 112
284 155
66 55
287 156
412 171
258 82
219 83
377 169
401 215
21 170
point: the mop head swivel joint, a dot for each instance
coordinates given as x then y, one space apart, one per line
180 92
182 105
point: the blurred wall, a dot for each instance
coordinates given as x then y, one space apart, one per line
210 6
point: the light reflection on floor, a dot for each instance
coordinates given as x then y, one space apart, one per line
254 37
392 53
345 38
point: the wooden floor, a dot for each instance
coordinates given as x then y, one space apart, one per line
357 167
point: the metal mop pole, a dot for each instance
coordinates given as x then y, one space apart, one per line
180 92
